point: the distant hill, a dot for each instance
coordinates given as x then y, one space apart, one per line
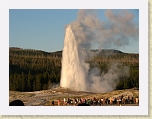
21 51
31 70
109 51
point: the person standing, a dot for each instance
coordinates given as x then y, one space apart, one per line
58 102
53 102
64 101
137 100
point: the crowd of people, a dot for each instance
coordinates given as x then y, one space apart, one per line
88 101
98 101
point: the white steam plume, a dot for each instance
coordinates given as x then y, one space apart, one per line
80 37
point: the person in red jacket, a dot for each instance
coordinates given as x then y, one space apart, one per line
58 102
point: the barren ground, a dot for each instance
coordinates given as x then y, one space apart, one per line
45 97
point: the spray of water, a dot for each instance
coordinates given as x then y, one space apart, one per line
84 33
74 68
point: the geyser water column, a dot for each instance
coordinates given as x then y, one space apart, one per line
74 69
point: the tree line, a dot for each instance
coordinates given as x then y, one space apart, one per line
33 70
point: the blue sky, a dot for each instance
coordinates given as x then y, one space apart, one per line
45 29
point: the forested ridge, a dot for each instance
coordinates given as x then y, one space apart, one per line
32 70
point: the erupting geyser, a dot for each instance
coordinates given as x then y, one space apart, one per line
74 70
81 35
